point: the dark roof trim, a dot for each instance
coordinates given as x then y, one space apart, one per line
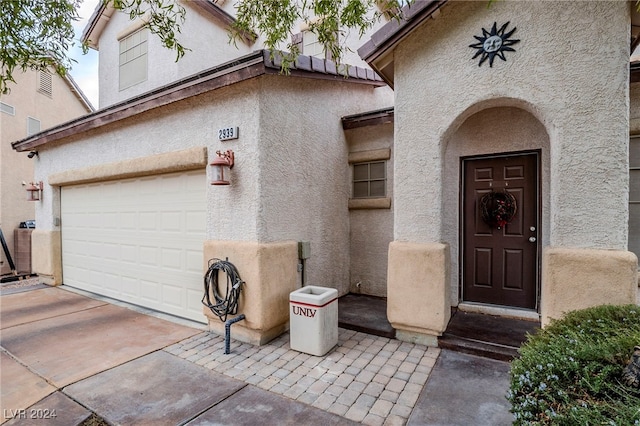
224 18
253 65
395 30
370 118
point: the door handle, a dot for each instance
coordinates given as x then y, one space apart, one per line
532 239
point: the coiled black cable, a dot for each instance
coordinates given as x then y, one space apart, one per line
228 304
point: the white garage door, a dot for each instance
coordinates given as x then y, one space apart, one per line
138 240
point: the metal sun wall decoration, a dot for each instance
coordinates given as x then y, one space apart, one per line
494 43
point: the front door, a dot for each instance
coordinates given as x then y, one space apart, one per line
500 261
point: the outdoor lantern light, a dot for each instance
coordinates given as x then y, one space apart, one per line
222 161
34 191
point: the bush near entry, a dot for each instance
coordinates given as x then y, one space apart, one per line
570 373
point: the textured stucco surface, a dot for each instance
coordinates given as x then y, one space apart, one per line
579 279
206 37
577 90
208 41
371 230
270 274
418 300
290 181
304 182
16 167
189 159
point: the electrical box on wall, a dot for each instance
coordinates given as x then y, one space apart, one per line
304 249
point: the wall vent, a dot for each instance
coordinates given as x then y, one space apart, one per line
45 83
7 109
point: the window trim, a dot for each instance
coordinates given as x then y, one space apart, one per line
145 55
372 155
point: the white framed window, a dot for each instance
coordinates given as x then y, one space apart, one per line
45 83
133 59
7 109
370 179
634 195
311 46
33 126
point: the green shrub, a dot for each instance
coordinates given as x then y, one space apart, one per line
569 372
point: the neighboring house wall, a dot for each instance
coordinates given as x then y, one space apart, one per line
15 168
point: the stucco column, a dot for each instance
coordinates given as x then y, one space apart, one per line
46 255
580 278
418 300
269 271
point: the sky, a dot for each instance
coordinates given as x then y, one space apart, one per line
85 71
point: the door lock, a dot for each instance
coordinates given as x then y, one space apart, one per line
532 239
532 229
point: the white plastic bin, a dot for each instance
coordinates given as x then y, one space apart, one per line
313 318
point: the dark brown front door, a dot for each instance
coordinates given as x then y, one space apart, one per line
500 266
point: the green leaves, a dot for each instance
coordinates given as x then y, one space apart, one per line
570 372
35 34
330 20
164 19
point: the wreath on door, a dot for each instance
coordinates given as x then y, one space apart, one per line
498 208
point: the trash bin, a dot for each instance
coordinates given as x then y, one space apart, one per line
313 318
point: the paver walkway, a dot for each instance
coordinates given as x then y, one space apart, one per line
368 379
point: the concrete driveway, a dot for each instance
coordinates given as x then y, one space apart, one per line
65 357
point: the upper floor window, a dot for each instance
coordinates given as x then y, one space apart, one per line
7 109
45 83
634 195
370 179
133 59
311 46
33 126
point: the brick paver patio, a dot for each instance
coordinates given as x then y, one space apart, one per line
365 378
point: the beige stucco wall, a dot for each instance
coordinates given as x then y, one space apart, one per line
418 304
269 272
47 255
605 277
371 229
557 94
16 167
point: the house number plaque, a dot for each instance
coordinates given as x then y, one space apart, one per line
227 133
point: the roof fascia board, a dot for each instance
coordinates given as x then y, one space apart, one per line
97 23
370 118
394 31
258 63
77 91
224 18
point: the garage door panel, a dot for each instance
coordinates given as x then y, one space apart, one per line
138 240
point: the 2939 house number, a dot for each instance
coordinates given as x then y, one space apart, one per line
227 133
